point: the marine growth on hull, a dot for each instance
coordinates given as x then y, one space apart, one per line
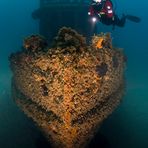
70 88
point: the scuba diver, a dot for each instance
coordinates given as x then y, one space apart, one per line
102 10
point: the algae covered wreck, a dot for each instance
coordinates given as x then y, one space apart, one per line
69 89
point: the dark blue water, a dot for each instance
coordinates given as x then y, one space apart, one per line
127 127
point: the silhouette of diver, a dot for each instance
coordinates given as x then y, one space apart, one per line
103 11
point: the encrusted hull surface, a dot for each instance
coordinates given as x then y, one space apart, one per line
69 90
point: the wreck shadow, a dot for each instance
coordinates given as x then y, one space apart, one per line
99 141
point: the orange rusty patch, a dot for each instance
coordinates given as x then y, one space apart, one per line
99 43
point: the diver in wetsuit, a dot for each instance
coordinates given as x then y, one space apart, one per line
103 10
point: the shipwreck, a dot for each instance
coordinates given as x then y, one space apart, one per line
69 88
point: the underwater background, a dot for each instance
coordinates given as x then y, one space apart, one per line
127 127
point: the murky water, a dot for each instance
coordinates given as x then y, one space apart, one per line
127 127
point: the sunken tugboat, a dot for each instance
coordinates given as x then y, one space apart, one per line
69 89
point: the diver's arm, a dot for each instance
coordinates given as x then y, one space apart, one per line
91 10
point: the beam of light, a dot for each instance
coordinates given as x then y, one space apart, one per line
94 19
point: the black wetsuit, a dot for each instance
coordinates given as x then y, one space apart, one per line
115 21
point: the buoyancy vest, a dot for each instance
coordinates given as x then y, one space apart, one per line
107 9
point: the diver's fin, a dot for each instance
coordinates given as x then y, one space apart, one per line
133 18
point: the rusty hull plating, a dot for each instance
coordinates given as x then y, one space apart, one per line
68 90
